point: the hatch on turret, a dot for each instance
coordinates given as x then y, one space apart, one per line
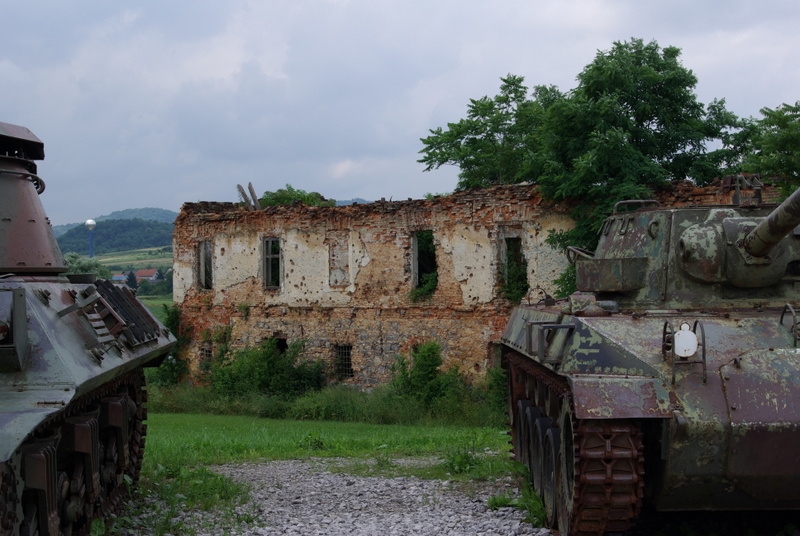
631 249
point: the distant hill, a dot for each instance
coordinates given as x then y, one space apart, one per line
117 235
351 201
148 214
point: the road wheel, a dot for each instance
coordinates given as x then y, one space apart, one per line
520 430
540 428
551 464
565 475
531 414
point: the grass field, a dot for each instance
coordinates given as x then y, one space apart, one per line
155 303
136 259
188 440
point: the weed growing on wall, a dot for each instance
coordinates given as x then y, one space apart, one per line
515 283
428 284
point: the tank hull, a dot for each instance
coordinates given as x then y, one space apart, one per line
72 412
724 435
672 378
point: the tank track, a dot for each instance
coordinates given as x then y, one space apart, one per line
79 464
602 459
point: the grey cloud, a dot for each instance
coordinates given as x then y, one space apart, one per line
155 103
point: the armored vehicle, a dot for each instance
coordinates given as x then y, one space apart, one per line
672 377
72 349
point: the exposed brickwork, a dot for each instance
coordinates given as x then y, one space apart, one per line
347 273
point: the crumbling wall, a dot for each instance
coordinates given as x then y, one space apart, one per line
347 272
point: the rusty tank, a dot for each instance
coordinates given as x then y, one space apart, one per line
671 379
72 389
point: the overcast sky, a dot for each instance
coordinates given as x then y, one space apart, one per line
155 103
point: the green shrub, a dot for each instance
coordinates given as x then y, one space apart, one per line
421 378
335 403
182 398
427 286
382 405
173 368
491 395
461 460
270 407
264 382
385 405
448 396
266 370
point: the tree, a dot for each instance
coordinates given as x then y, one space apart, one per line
131 280
632 124
776 144
289 195
163 286
492 144
79 264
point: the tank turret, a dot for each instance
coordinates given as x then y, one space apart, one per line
27 242
667 256
671 372
72 352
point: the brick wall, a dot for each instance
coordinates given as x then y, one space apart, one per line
347 273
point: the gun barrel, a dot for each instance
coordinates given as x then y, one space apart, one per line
774 227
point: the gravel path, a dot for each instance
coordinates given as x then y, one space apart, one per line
305 498
308 498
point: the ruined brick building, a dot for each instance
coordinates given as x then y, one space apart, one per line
340 278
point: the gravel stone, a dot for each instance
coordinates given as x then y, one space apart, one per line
306 498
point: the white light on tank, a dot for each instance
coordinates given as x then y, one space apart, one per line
685 341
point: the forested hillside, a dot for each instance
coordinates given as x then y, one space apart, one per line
148 214
117 235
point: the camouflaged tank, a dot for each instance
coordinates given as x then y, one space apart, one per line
71 356
672 378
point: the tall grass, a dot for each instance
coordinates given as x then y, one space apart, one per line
201 440
266 382
383 405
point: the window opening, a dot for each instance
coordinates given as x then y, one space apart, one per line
515 276
206 354
281 345
425 269
343 366
206 256
272 262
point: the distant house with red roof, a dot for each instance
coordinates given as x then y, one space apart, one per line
148 274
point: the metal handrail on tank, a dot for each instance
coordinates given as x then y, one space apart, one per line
794 329
643 203
37 181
